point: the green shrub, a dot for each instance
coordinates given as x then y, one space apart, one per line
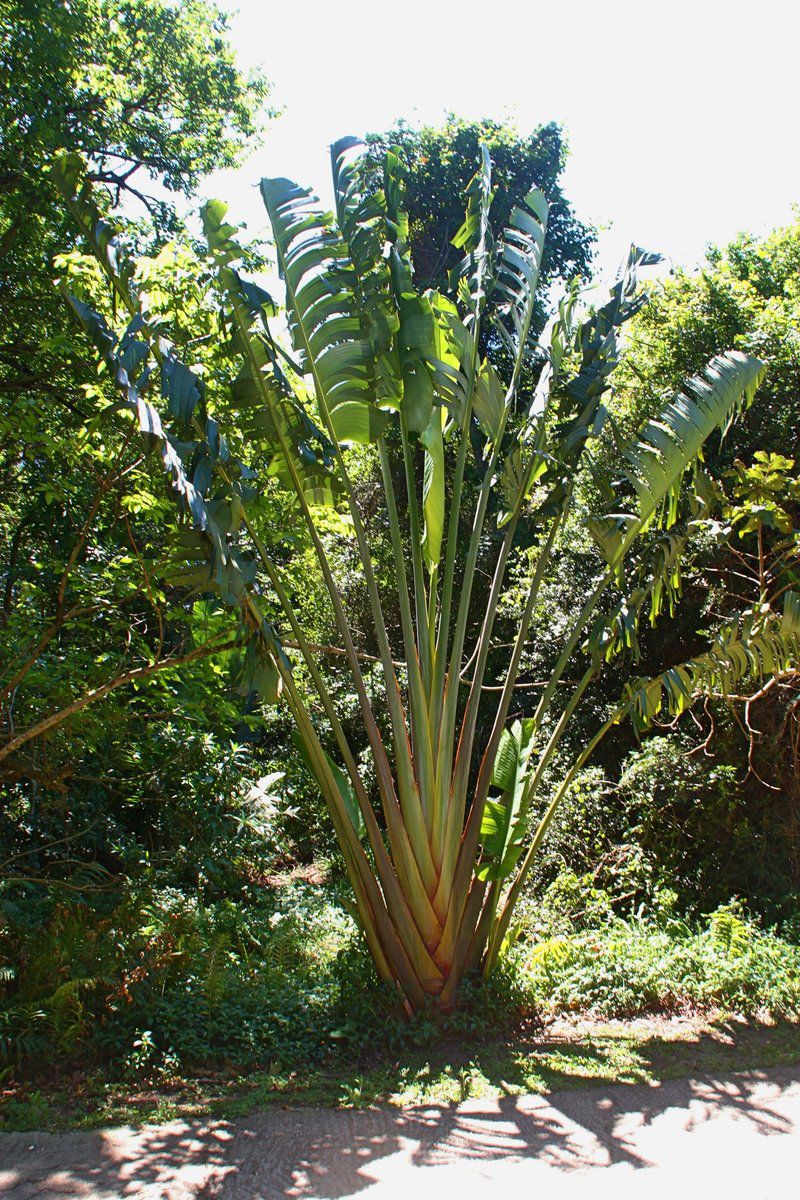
162 983
273 977
652 963
668 818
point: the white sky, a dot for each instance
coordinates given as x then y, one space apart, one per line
682 118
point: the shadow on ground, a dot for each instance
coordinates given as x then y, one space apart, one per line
316 1153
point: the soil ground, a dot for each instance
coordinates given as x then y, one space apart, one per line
734 1135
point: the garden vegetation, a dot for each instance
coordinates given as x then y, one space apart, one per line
398 633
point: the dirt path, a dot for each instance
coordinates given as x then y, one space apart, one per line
737 1136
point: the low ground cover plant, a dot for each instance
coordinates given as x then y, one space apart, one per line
657 961
165 983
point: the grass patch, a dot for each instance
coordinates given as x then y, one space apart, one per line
562 1055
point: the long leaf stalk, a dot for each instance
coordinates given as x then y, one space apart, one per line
438 851
474 324
409 797
406 855
523 324
388 879
471 836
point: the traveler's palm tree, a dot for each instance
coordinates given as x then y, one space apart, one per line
439 846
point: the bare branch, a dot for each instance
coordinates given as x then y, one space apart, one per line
96 694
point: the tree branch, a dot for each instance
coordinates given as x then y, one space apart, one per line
96 694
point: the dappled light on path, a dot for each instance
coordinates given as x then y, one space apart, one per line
593 1138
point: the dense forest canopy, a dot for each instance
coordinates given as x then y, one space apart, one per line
153 105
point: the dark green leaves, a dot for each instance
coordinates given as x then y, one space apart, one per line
361 214
269 411
181 389
212 561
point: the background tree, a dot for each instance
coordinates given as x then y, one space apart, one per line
153 95
745 295
729 825
439 158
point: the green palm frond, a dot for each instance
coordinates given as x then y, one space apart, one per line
129 359
754 646
654 584
566 410
193 455
596 339
671 442
326 331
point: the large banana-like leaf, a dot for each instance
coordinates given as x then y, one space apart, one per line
270 413
220 567
473 277
504 823
68 174
576 400
195 454
489 401
180 387
454 345
416 334
361 214
756 645
669 444
325 327
519 261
